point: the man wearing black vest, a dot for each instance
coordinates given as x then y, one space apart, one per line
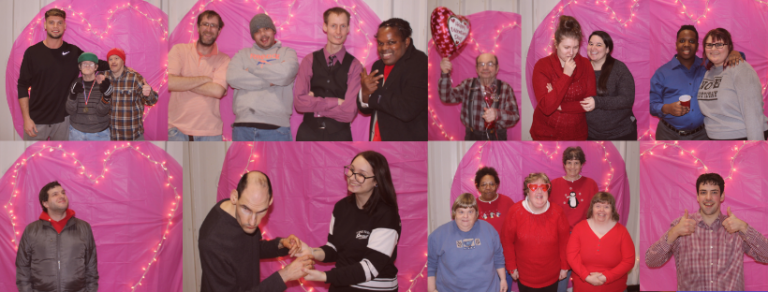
395 92
327 84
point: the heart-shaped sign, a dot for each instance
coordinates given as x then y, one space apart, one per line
449 31
459 29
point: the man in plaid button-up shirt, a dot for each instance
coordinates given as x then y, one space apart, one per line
472 92
709 246
131 93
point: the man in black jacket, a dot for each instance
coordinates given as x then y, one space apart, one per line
395 91
57 252
231 245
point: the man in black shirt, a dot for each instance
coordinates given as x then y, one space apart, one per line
47 70
231 245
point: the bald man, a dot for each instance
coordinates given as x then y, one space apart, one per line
231 244
488 104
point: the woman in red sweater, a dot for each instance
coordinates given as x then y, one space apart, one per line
534 237
564 85
600 251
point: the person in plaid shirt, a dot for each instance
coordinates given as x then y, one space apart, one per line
483 121
709 246
131 93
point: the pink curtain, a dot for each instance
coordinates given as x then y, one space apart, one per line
669 172
492 31
307 180
136 26
134 209
299 26
626 21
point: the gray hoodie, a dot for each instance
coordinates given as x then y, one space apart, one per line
732 103
250 73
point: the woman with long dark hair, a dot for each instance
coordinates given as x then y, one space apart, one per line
365 229
562 81
611 117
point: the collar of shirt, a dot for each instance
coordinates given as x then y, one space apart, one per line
697 63
214 50
121 76
493 86
700 221
339 55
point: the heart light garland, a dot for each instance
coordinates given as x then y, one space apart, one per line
696 160
50 150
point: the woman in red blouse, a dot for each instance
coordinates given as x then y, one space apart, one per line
600 251
534 237
564 85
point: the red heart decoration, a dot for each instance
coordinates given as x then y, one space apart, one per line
449 31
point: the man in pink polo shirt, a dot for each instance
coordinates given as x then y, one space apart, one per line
197 79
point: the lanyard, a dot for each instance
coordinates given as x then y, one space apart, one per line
89 91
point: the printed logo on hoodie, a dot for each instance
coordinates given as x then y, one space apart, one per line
262 60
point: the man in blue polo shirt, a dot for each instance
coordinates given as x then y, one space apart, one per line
680 76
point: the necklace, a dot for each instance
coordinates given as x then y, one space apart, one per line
87 97
490 213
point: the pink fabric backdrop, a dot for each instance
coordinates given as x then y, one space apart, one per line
744 19
669 172
307 181
140 29
129 209
492 31
514 161
630 42
299 26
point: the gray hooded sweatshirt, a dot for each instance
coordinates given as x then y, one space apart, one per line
263 83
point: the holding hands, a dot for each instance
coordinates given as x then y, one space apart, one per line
588 104
733 224
295 270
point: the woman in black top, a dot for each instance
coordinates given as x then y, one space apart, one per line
611 117
365 229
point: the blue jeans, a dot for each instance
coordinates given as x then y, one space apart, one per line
175 135
562 285
509 282
75 135
254 134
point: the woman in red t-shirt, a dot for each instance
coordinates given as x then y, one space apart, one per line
600 251
564 85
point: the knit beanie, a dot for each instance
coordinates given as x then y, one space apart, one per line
88 57
261 20
115 51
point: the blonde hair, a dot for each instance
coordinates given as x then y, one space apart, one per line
535 176
607 198
465 200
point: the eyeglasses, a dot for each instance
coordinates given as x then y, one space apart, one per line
487 185
716 45
489 64
91 65
211 25
359 177
534 187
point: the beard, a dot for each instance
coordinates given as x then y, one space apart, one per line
201 42
54 37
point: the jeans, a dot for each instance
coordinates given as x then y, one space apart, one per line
175 135
562 285
509 282
75 135
256 134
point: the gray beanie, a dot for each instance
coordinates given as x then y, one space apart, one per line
261 20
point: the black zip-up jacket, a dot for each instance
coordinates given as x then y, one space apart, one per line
400 103
61 262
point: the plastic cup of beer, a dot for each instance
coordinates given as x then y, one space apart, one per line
685 100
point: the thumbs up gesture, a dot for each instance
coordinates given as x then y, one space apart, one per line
733 224
685 227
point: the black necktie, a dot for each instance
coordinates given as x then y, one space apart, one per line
332 60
